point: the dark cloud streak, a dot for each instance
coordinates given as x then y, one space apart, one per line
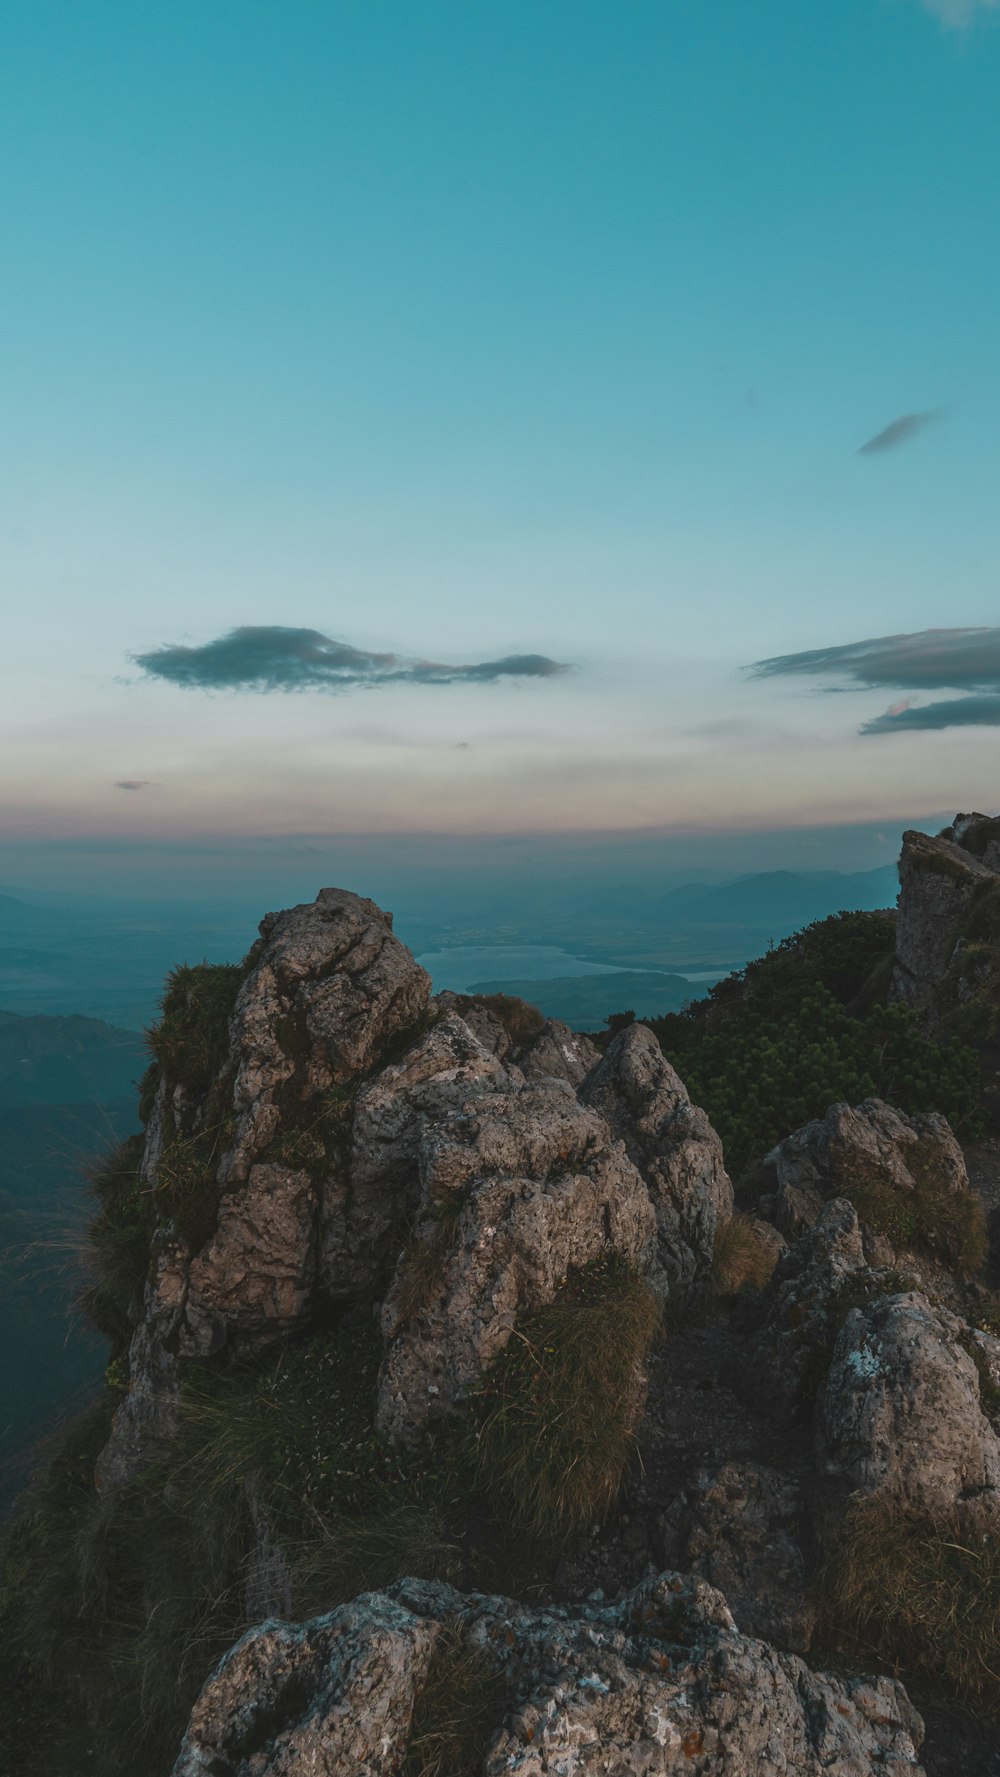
271 657
898 432
928 660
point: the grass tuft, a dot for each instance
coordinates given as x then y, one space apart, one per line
743 1260
191 1040
561 1406
949 1225
455 1715
921 1595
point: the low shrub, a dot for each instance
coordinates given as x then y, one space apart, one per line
559 1410
921 1595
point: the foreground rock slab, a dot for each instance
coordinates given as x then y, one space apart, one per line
659 1684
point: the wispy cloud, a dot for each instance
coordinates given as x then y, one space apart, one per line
899 431
271 657
964 660
959 14
981 711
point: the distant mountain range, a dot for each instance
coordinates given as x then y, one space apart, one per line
71 1060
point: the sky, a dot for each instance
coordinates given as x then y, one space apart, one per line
450 422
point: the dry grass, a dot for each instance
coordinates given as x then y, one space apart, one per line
561 1406
921 1595
743 1259
456 1712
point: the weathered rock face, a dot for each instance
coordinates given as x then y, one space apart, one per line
330 989
901 1415
660 1684
796 1322
673 1145
940 880
743 1535
856 1147
541 1048
516 1189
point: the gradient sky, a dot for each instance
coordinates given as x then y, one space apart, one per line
654 339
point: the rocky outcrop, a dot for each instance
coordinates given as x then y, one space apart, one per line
330 989
941 881
349 1139
853 1152
901 1415
793 1327
517 1189
660 1684
673 1145
743 1535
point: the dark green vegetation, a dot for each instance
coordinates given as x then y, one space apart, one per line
807 1026
189 1041
920 1596
561 1407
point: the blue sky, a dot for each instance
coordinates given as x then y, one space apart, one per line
469 332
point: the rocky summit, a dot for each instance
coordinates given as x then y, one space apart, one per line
464 1420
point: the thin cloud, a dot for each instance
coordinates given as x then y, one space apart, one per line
899 431
271 657
955 712
133 783
959 14
964 660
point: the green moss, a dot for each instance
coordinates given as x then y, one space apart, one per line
560 1408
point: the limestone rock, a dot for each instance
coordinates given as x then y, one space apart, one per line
938 882
795 1322
825 1158
257 1272
380 1186
559 1053
330 989
515 1032
655 1686
743 1537
673 1145
517 1188
901 1415
855 1149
